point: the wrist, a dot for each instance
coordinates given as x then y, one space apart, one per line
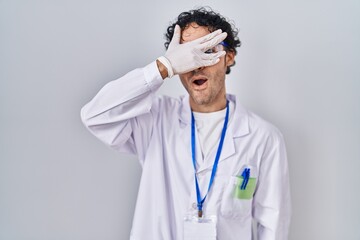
165 67
162 69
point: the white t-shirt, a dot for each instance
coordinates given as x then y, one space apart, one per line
209 127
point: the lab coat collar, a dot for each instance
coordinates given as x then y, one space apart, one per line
238 127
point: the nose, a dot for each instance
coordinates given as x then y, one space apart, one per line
198 70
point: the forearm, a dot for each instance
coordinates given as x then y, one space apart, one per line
119 101
116 100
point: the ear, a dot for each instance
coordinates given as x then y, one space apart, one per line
230 58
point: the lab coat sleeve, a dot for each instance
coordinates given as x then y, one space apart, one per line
122 113
272 204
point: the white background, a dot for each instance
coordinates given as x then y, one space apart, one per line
298 67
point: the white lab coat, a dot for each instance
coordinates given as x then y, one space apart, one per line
127 115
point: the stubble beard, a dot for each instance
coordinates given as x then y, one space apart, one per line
206 97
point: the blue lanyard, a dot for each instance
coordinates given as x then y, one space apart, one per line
199 200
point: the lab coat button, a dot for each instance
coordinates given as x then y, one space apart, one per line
194 205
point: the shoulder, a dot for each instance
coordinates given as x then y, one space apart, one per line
168 107
255 124
262 126
166 103
266 136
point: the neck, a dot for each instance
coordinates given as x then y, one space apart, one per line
207 108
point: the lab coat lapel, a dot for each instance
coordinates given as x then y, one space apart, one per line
185 131
185 126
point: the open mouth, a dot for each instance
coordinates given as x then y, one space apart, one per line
200 82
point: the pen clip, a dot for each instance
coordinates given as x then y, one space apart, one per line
246 176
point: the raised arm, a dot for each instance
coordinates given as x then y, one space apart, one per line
122 113
122 107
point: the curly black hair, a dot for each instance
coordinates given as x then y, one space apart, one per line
208 18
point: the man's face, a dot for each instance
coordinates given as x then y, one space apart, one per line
206 85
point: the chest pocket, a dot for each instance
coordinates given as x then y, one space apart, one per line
238 194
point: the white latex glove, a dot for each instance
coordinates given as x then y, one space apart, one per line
185 57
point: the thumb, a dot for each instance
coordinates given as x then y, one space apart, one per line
176 37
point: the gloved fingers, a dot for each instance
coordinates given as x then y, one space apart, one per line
208 37
210 62
212 42
176 37
205 60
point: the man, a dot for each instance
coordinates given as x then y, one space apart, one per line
209 167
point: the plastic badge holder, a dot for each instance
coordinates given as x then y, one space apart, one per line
200 228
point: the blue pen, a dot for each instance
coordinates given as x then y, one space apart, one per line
246 176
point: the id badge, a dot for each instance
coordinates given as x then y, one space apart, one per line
196 228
